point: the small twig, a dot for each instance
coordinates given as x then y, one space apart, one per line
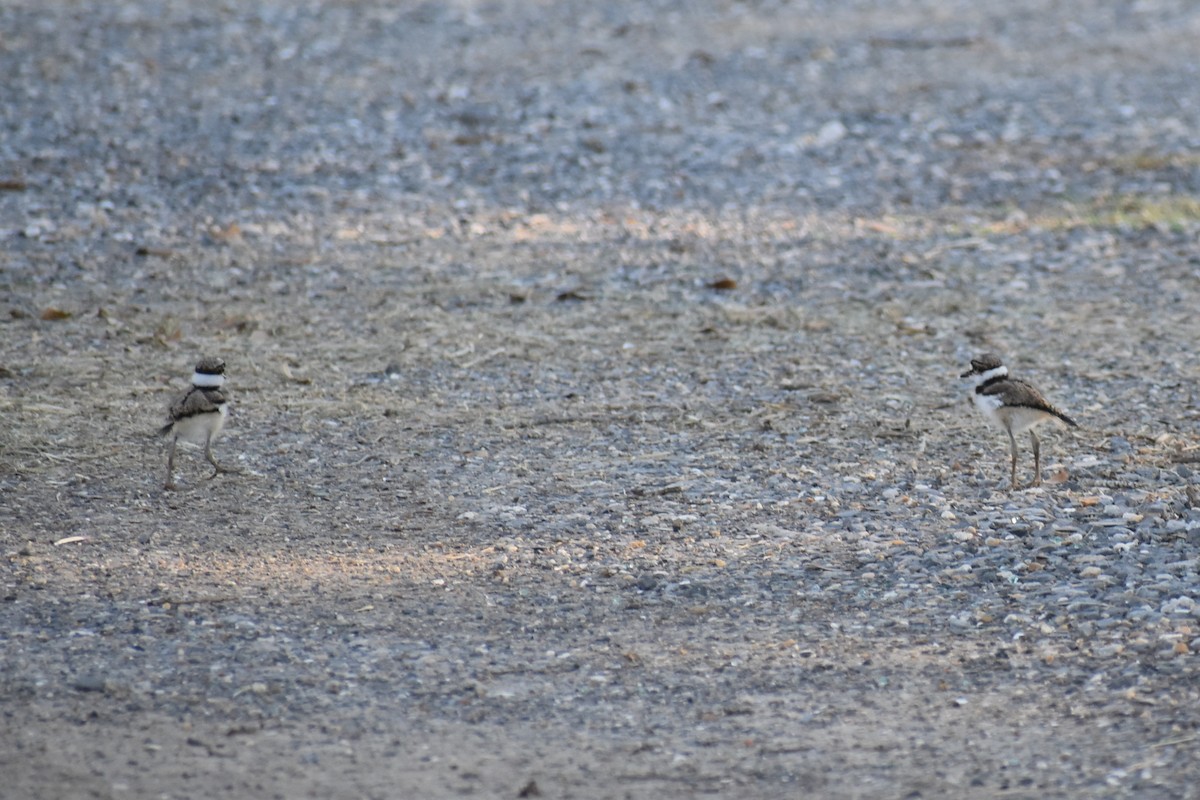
1178 740
485 357
46 408
49 455
552 421
191 601
42 452
969 243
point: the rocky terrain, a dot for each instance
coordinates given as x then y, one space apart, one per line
594 374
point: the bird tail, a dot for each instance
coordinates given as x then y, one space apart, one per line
1064 418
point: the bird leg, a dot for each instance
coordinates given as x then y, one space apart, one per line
217 468
1013 441
1037 459
170 484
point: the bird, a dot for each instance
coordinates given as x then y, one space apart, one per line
1014 405
198 414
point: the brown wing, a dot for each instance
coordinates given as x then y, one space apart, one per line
197 400
1016 392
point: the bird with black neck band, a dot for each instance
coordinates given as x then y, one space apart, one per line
198 415
1014 405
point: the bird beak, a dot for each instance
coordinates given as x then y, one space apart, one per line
968 373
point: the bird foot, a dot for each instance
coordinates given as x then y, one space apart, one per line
219 470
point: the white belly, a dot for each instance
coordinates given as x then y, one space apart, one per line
201 427
1017 419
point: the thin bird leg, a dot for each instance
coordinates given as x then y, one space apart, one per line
1013 441
217 468
170 484
1037 459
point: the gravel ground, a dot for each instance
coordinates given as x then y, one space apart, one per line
594 376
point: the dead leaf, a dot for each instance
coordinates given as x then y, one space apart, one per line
877 226
240 323
1062 476
168 330
229 233
723 284
286 372
55 314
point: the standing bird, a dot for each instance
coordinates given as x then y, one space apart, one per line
198 414
1014 405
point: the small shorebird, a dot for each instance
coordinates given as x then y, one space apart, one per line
1014 405
198 414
